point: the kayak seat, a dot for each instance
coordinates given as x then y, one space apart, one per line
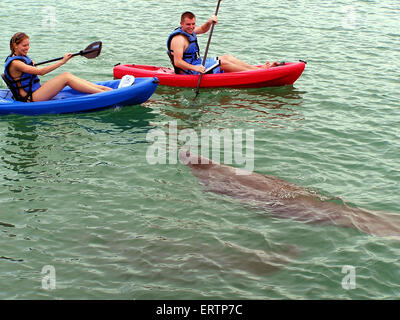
171 57
12 89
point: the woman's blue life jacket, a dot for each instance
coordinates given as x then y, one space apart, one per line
29 82
191 54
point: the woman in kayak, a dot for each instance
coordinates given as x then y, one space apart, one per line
23 75
184 51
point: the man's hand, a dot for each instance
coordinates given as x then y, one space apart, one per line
213 19
199 68
207 25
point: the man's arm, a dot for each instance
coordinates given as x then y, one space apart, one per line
206 26
178 47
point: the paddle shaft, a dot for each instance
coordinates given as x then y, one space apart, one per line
206 52
74 55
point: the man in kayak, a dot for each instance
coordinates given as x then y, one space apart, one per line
22 74
184 51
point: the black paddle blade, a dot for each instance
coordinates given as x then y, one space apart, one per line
92 51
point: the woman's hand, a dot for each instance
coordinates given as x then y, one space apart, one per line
66 58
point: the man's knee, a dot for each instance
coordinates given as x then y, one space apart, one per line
225 61
226 58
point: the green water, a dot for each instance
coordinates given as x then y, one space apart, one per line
78 194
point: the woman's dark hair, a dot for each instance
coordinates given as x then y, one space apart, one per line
17 39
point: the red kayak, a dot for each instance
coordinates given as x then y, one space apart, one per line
282 75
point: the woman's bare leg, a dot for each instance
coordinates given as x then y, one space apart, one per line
98 86
49 89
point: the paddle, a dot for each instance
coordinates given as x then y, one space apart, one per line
91 51
205 53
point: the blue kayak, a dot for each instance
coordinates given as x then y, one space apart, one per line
69 100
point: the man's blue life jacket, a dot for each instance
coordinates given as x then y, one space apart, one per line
191 54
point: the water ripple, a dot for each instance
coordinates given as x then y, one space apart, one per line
78 194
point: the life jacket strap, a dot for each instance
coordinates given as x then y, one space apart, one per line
171 57
15 89
16 85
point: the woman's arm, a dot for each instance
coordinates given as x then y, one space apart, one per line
19 66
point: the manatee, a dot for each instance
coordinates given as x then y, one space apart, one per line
283 199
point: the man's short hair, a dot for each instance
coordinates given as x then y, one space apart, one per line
187 14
